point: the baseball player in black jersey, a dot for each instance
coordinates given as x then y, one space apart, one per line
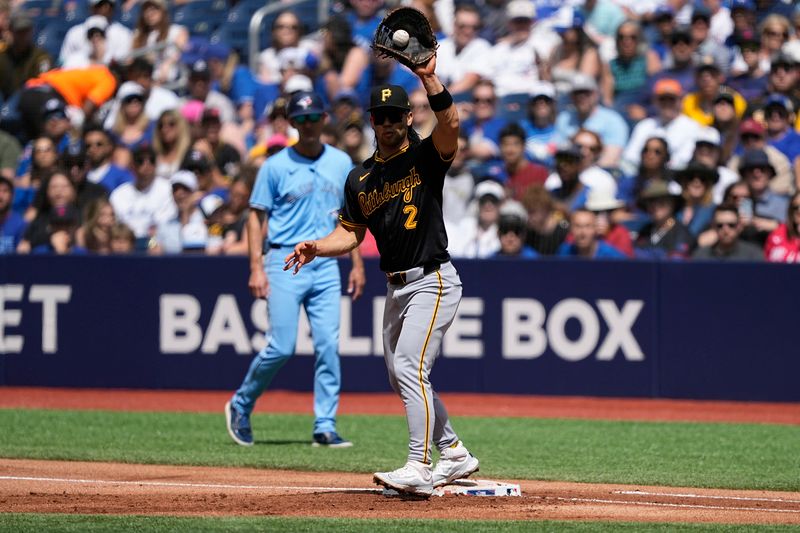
397 194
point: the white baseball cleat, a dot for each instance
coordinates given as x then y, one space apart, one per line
413 478
454 463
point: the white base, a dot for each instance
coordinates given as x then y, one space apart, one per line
471 487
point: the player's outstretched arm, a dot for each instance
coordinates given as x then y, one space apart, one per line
340 241
445 134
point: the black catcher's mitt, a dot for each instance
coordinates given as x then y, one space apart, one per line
390 37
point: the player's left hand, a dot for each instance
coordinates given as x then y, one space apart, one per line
356 282
303 253
428 69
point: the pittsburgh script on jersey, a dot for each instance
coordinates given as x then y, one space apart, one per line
370 201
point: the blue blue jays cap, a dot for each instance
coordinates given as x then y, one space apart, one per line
304 103
663 11
747 5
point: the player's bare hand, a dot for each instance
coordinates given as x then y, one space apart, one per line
259 286
303 253
356 282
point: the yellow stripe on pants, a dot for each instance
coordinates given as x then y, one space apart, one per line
421 361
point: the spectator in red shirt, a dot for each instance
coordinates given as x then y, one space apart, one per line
783 244
521 172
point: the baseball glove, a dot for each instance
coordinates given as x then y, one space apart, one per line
405 35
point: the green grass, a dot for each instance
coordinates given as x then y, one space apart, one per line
87 523
742 456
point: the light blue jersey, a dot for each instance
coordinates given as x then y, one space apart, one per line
301 197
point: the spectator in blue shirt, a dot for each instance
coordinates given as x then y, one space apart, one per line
588 114
99 147
780 134
12 225
585 244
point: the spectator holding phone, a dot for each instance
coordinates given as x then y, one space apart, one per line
769 209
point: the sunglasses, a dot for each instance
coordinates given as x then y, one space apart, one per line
773 33
392 115
720 225
593 149
747 137
312 118
681 40
657 151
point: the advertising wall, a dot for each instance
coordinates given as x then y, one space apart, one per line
640 329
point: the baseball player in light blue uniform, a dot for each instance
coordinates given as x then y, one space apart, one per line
298 192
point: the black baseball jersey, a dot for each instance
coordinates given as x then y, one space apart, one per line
400 200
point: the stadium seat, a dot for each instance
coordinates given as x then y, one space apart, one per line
74 10
234 30
130 17
51 37
513 107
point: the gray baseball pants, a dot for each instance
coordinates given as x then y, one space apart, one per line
415 319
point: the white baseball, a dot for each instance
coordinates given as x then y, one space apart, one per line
400 39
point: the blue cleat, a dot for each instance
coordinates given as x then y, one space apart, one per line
331 439
238 426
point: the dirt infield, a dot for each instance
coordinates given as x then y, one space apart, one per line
110 488
106 488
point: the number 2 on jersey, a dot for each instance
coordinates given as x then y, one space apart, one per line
411 221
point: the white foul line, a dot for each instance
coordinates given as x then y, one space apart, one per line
702 496
194 485
679 505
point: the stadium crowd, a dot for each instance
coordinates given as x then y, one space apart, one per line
589 128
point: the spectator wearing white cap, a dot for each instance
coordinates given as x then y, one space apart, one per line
463 57
131 127
586 112
77 47
187 231
708 151
517 57
476 235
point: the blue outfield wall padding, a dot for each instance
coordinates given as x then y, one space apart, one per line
560 327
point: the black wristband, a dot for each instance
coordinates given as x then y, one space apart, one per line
441 101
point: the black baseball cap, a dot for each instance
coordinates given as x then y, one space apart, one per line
389 96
